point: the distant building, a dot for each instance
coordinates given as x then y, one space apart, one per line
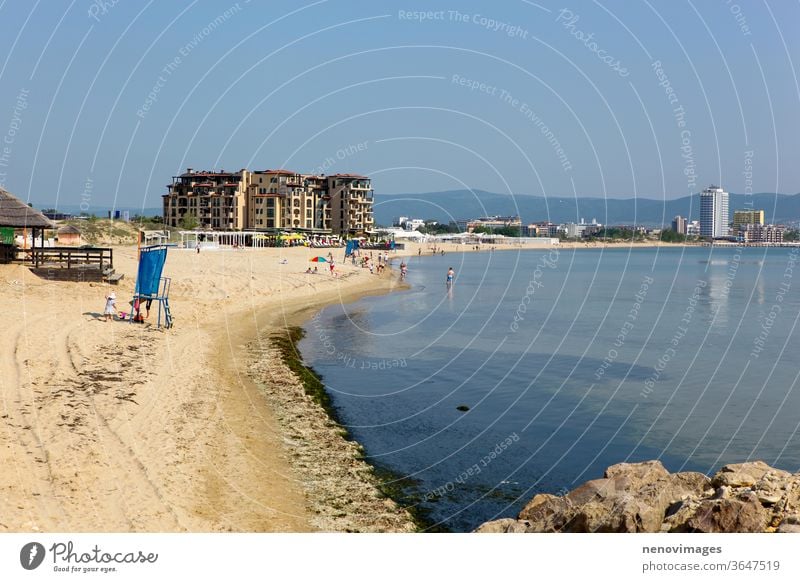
582 229
493 222
410 224
679 224
741 217
55 215
714 217
540 229
693 228
760 233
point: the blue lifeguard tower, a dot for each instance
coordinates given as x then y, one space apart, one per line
150 285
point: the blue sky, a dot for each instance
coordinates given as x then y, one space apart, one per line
103 102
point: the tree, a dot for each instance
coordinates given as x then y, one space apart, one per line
188 222
669 235
509 231
791 235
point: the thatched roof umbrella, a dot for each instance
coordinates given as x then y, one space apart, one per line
16 214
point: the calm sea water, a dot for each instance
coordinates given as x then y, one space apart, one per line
569 361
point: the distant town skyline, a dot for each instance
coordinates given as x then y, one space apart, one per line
103 103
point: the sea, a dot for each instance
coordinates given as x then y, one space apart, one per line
538 369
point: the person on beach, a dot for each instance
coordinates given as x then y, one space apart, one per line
111 306
451 274
403 270
333 266
148 302
419 252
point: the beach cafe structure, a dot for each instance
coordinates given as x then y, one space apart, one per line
16 215
213 239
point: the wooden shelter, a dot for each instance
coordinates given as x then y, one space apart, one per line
14 213
69 235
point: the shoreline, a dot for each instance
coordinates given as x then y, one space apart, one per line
345 492
115 427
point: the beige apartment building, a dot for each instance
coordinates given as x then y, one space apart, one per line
350 203
760 233
741 217
271 200
215 199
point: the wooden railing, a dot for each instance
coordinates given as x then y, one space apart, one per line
72 256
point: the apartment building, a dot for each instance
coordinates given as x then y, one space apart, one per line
679 224
271 199
760 233
215 199
741 217
350 203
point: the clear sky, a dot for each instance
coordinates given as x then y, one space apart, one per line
102 102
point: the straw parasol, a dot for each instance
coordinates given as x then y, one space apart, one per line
14 212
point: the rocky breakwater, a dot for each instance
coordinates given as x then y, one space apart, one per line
645 497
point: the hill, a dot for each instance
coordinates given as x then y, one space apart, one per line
104 232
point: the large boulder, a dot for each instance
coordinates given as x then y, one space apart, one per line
645 497
743 514
752 474
632 497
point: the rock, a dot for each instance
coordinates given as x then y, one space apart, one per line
637 473
723 492
462 408
505 525
545 512
769 499
747 474
729 515
633 497
645 497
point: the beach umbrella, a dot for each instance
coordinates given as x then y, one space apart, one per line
319 260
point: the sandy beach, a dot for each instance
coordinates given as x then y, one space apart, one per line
119 427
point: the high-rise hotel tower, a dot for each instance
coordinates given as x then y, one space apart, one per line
714 212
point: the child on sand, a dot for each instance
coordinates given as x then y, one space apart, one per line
111 306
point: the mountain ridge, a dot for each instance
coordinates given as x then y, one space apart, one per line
462 204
